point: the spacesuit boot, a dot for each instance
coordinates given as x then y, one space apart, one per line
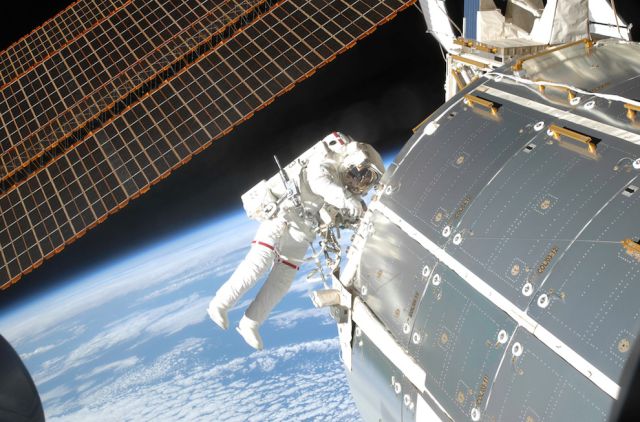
218 315
272 291
248 329
255 264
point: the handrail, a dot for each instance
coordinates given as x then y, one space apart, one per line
557 131
632 109
472 100
456 77
586 41
468 61
475 44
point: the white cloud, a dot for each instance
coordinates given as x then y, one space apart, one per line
201 252
289 319
304 285
39 350
166 318
171 287
51 363
113 366
309 383
190 314
55 393
212 271
266 364
241 305
76 330
139 327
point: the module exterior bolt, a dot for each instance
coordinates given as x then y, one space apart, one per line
503 337
397 387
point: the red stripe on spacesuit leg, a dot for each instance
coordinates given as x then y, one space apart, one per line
289 264
266 245
280 260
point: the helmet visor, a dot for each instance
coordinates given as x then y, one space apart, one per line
360 180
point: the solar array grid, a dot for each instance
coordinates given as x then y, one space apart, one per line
48 38
142 145
73 117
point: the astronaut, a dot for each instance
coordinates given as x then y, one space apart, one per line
333 174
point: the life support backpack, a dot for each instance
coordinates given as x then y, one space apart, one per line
264 200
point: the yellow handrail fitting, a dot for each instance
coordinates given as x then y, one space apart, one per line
475 44
631 110
471 62
558 132
423 121
542 87
586 41
472 101
632 248
463 42
456 76
420 124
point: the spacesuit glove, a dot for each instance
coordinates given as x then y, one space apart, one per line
353 208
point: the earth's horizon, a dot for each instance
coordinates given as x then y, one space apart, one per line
132 341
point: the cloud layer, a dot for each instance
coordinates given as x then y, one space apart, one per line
170 267
133 342
298 382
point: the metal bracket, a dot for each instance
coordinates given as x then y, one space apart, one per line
586 41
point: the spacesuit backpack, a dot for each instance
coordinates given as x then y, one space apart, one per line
263 201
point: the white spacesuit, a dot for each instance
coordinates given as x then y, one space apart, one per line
335 172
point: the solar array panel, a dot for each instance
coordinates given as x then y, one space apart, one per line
189 82
64 92
54 34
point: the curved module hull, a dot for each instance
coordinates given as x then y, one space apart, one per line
497 275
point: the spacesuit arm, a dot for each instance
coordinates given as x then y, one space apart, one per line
324 180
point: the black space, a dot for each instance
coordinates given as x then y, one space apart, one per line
375 92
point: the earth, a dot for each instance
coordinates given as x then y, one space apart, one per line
132 341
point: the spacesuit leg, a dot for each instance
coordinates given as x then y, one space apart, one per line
279 280
274 288
254 265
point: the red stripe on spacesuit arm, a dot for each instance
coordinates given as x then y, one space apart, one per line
266 245
338 137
